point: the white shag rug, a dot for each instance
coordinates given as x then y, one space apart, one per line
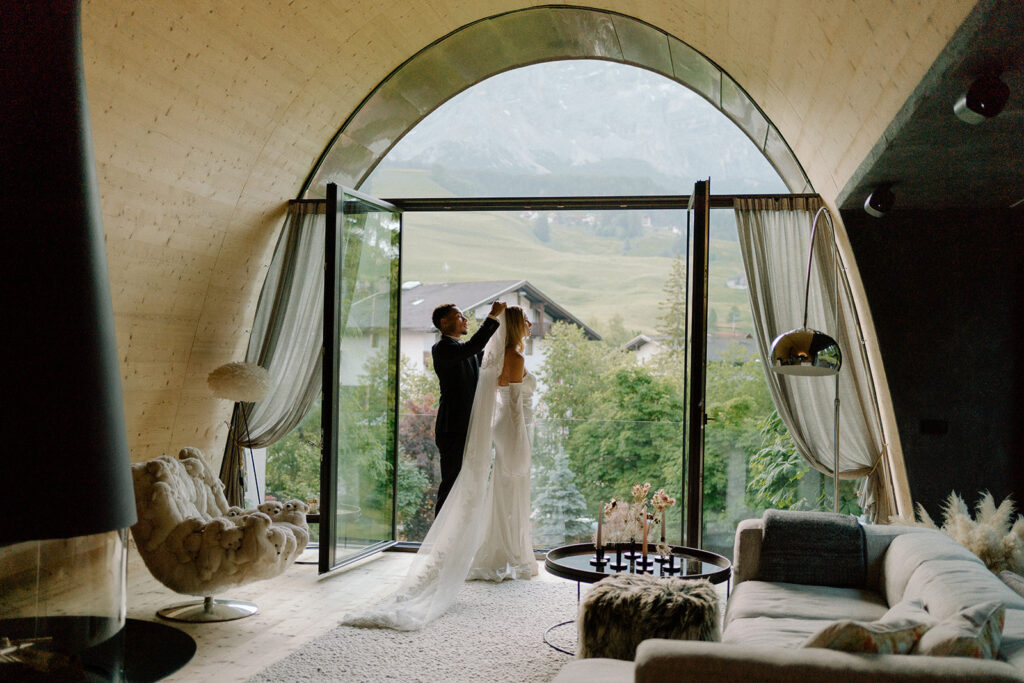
493 632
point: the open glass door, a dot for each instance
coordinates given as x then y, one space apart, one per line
358 467
697 324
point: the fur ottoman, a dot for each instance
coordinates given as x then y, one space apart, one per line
621 611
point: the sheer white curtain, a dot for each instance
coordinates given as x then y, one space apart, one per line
775 241
287 340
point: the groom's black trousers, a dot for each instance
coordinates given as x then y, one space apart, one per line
450 446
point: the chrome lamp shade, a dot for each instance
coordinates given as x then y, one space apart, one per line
808 352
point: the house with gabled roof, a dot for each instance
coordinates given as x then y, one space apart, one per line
419 299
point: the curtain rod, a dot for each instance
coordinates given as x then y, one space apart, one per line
717 201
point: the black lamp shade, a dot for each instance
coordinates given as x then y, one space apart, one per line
66 464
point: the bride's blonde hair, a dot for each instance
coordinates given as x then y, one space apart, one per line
515 318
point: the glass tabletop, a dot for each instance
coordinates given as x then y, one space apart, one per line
580 562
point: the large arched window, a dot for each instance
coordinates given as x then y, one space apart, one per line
500 43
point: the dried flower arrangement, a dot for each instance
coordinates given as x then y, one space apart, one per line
990 535
624 522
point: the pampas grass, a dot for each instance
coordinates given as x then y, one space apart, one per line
993 535
240 382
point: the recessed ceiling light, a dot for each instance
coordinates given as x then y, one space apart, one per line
880 201
984 99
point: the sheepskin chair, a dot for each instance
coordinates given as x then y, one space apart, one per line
194 543
624 609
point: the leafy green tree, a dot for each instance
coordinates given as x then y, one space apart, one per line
293 463
423 388
779 476
616 334
417 450
776 469
736 399
574 372
559 509
417 492
630 437
415 509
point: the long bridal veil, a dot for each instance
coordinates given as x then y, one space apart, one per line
446 554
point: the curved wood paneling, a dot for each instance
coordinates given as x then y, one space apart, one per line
205 121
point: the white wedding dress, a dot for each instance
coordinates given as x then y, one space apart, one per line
483 527
506 551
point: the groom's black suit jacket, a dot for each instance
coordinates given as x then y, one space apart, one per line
457 365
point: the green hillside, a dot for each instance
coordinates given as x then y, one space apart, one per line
617 266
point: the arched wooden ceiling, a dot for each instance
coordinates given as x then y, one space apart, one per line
208 117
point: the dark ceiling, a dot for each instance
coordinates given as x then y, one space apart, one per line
932 158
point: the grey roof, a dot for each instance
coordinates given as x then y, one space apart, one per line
420 300
636 342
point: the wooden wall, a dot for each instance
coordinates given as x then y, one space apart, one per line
207 117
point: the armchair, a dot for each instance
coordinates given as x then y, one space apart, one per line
194 543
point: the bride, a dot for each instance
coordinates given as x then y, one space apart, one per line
483 529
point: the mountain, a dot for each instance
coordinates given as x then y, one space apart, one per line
579 127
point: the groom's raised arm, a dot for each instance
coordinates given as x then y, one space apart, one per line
452 352
480 338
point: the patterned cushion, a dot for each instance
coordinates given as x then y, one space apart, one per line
895 633
973 632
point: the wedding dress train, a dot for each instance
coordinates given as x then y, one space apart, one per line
455 542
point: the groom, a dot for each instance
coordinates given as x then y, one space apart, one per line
457 365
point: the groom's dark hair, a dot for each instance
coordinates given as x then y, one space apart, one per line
440 312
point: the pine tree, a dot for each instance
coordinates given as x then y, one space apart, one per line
559 511
671 325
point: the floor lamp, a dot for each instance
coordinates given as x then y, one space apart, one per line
242 383
808 352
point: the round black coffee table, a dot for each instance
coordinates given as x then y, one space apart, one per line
579 562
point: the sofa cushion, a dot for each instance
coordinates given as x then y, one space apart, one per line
949 586
881 637
1013 580
814 548
1012 646
908 551
877 538
771 632
972 632
658 661
910 609
782 600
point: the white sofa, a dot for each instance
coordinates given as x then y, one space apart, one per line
766 622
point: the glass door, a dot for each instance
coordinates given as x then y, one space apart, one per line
358 467
696 360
